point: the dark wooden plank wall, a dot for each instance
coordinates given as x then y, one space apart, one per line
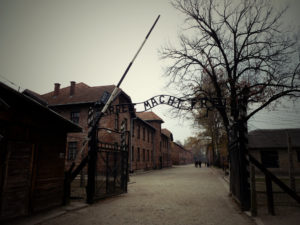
48 190
33 171
16 186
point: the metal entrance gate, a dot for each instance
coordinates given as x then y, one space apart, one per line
108 163
239 160
104 171
112 170
239 183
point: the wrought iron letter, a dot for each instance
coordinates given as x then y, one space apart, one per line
154 102
179 101
147 105
161 101
171 100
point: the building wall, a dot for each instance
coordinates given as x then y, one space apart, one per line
154 144
175 154
78 138
158 146
181 156
142 147
166 151
157 149
111 121
32 162
153 153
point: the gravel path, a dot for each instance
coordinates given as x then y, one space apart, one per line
182 195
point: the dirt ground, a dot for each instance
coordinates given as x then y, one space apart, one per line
182 195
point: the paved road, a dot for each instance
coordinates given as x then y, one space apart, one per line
182 195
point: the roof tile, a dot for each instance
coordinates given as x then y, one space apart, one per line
83 94
149 116
273 138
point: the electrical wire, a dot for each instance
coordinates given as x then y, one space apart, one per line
12 83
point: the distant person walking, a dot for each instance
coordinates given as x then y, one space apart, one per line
196 163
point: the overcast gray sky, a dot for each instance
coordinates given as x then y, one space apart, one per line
92 41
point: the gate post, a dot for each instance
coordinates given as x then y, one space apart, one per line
92 156
243 152
239 162
92 160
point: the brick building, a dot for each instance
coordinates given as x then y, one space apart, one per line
167 139
73 103
180 155
150 145
142 145
160 140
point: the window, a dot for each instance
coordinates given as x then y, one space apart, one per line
144 133
151 137
138 131
75 117
152 156
125 121
132 154
143 155
138 154
270 159
117 121
72 150
148 158
132 129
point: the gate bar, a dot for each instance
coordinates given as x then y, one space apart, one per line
112 96
92 133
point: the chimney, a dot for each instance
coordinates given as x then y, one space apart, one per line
72 88
56 89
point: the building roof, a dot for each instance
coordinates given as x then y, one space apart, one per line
273 138
144 122
179 145
83 93
37 97
149 116
167 133
11 98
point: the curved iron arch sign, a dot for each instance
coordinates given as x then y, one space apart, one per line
179 103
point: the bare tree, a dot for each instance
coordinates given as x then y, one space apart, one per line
198 145
234 44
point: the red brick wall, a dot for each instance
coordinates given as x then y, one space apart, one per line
143 143
166 151
65 111
108 121
157 153
175 154
180 156
158 147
